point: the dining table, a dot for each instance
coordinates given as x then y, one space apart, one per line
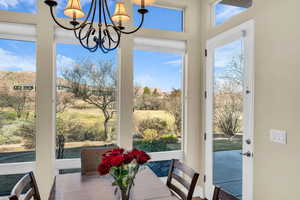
147 186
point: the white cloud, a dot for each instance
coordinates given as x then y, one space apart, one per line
225 54
15 3
63 62
9 60
228 12
174 62
8 3
144 80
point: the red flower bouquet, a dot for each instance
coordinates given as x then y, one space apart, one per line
123 167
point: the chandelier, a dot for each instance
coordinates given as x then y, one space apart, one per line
98 29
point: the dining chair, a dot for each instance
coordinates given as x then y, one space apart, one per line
90 159
220 194
177 171
27 181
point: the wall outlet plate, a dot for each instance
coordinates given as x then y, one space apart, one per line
278 136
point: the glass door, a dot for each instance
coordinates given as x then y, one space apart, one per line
229 139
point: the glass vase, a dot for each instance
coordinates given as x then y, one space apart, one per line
123 194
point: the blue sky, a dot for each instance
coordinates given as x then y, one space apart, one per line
153 69
225 12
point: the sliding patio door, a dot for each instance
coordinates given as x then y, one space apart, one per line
229 112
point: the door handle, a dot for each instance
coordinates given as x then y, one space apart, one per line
247 154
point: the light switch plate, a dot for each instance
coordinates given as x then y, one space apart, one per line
278 136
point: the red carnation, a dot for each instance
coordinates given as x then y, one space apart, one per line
143 158
128 158
103 168
140 156
116 160
135 153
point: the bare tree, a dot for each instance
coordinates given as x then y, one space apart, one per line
95 84
19 101
234 71
228 106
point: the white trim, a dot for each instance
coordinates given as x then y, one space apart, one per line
161 45
167 155
158 156
12 31
227 37
16 168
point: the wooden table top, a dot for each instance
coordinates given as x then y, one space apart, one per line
77 187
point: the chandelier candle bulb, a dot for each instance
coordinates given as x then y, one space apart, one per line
120 13
73 9
144 2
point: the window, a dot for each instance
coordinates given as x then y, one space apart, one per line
225 9
160 168
17 106
172 19
17 101
157 101
28 6
86 100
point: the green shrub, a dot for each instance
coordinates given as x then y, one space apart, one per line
169 138
157 124
27 131
150 146
150 134
9 134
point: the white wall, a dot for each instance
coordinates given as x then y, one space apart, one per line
277 97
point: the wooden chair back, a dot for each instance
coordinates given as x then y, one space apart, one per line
176 168
27 181
90 159
220 194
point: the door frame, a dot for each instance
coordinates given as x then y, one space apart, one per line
246 33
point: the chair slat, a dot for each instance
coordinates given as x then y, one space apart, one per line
177 165
177 191
220 194
181 180
21 185
27 181
29 194
188 171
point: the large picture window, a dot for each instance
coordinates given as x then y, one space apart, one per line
86 114
17 105
157 101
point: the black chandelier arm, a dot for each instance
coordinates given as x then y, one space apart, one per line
68 28
110 40
120 29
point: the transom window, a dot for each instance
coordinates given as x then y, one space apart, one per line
161 18
224 10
